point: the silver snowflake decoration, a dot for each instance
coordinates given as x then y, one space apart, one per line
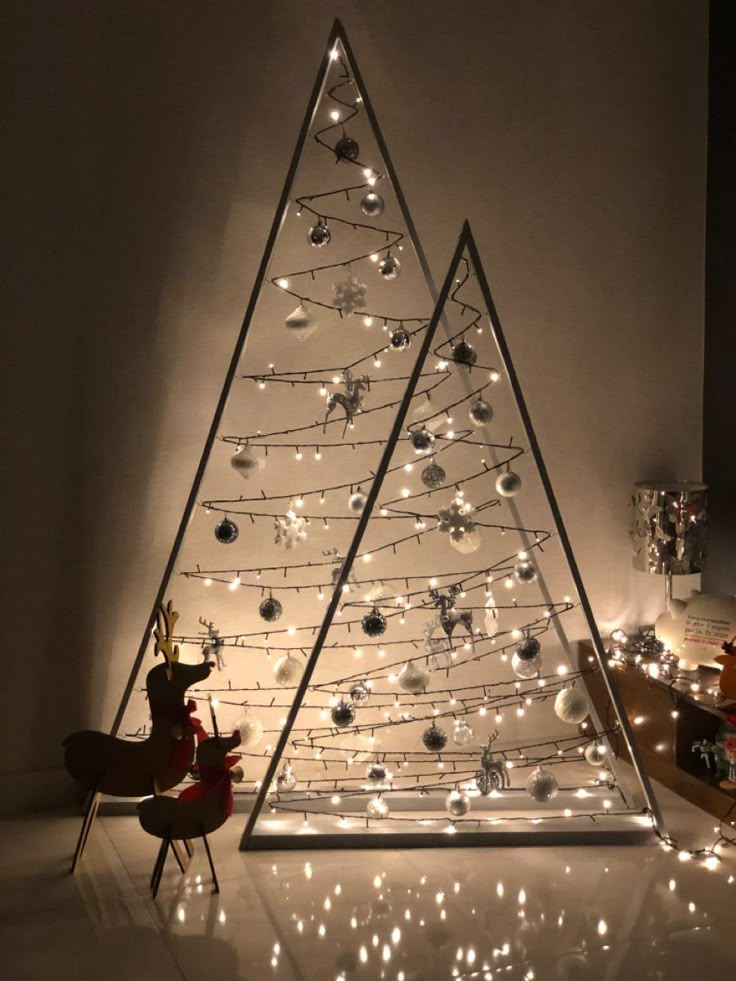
350 295
291 530
456 519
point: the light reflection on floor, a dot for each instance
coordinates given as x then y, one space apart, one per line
519 914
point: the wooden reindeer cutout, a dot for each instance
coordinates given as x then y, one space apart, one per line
199 809
105 764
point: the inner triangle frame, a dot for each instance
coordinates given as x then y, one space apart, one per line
649 818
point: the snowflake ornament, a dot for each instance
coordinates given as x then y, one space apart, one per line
350 295
290 530
456 520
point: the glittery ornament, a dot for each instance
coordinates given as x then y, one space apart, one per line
357 501
529 668
376 773
300 323
377 808
346 149
508 484
351 399
374 623
572 706
524 572
422 440
237 774
528 648
350 295
250 728
226 531
372 204
319 235
492 775
286 780
287 670
464 353
343 714
458 803
433 476
455 520
412 679
449 615
390 267
542 785
462 733
434 739
596 754
270 609
246 462
359 693
480 412
291 530
399 339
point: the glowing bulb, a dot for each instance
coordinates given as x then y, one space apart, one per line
334 116
283 283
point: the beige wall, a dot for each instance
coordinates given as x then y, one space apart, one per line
147 146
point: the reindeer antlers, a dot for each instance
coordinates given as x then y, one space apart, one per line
163 634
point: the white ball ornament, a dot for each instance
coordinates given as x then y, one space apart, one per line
457 803
250 728
572 706
287 670
542 785
412 679
508 484
469 542
462 733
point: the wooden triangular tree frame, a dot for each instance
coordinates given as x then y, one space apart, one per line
466 244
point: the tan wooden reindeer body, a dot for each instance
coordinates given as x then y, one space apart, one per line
135 768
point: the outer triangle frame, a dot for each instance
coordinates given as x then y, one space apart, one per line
465 243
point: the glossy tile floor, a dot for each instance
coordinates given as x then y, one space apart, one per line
517 914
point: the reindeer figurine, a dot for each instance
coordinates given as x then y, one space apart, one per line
200 809
492 775
351 400
105 764
449 615
216 646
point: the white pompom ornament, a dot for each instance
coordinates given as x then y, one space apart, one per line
572 706
287 670
250 729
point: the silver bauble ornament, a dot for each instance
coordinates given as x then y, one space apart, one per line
300 323
508 484
422 440
596 754
319 235
464 353
433 476
528 649
377 808
468 542
542 785
246 462
270 609
457 803
524 572
287 670
529 668
572 706
346 149
376 773
434 739
357 501
462 733
373 624
480 412
399 339
343 714
250 729
359 693
390 267
372 204
286 780
412 679
226 531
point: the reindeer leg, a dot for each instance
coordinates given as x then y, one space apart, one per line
90 812
209 859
